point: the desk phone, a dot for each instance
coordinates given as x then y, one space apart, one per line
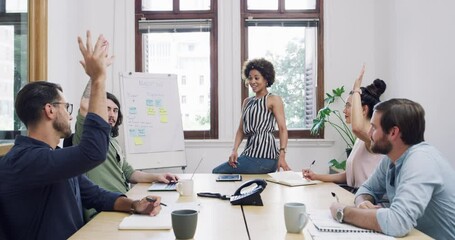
251 197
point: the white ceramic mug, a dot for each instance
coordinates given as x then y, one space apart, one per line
185 187
295 217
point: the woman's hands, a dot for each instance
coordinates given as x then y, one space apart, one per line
282 164
233 159
310 175
358 81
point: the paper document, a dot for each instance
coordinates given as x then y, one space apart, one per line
160 221
136 221
290 178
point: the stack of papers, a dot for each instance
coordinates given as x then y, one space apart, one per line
290 178
161 221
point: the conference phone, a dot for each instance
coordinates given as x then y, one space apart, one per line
251 196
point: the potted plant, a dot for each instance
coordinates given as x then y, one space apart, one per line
333 117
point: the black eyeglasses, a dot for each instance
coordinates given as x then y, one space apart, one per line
69 106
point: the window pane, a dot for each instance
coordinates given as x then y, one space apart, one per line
186 5
262 4
293 54
13 70
186 54
299 4
16 6
157 5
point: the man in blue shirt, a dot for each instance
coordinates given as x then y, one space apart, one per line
418 181
42 189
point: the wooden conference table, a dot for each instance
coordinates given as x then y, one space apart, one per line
218 219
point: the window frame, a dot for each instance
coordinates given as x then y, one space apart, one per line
212 14
281 13
37 47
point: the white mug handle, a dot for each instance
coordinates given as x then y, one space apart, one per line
303 219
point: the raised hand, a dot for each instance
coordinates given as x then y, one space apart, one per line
96 58
358 81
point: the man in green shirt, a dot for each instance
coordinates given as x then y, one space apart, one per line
114 174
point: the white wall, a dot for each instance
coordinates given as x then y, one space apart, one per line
388 36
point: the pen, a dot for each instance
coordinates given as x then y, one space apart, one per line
335 196
149 199
311 165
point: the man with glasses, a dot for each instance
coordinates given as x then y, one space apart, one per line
42 187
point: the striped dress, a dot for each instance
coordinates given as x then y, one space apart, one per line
258 126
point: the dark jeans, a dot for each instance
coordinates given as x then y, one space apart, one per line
248 165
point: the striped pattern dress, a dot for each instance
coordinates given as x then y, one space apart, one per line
259 125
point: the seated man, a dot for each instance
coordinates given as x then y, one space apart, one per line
42 189
419 182
115 173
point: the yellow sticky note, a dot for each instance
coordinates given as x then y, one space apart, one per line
151 111
163 111
138 141
163 119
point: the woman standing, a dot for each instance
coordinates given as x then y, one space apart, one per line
260 114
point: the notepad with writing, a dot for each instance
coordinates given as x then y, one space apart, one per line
323 221
290 178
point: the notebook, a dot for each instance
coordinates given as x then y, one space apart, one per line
136 221
163 186
290 178
324 222
161 221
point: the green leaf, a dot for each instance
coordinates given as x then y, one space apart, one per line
339 165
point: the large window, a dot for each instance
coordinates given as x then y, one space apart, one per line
289 34
179 37
13 62
23 58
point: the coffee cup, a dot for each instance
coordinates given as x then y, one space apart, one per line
295 217
185 187
184 223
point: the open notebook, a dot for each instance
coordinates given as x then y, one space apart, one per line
290 178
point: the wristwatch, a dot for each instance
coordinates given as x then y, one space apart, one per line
283 149
340 214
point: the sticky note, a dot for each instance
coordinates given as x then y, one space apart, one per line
163 119
133 132
141 132
151 111
163 111
132 110
138 141
149 102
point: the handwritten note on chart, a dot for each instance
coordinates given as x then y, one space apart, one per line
152 120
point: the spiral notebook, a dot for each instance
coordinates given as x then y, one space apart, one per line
323 221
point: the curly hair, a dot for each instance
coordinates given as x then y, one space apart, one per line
263 66
115 129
